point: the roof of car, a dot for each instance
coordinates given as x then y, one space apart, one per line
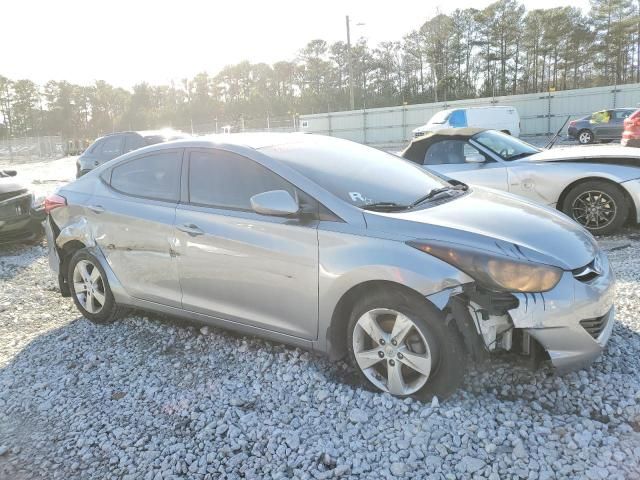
253 140
148 133
419 146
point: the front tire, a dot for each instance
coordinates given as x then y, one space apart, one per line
585 137
400 344
600 207
90 289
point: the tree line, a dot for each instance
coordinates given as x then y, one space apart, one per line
499 50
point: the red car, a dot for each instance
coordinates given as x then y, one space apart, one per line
631 133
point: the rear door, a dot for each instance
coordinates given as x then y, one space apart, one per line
133 212
239 265
453 158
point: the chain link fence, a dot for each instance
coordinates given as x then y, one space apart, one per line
33 149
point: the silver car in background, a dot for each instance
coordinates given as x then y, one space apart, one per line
598 186
336 247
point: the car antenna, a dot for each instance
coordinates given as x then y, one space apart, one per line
555 137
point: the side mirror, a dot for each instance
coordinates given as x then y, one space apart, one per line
474 158
8 173
278 203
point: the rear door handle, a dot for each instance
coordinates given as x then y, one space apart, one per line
96 208
191 229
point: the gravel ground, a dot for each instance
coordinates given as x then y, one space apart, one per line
152 397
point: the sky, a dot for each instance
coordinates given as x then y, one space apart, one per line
127 42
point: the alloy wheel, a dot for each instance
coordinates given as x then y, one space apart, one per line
391 351
88 286
594 209
585 137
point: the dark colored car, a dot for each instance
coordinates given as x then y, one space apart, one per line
605 125
115 144
20 221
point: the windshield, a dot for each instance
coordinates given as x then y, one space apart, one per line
440 117
506 146
357 174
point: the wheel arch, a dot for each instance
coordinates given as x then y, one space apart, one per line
618 185
336 335
65 252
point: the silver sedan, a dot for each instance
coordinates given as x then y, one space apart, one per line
336 247
599 186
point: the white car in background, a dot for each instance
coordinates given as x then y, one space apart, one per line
504 119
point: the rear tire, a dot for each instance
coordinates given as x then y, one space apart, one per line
434 349
90 289
585 137
599 206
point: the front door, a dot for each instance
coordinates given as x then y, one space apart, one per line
460 160
239 265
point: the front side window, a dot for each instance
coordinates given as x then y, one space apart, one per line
448 152
111 147
155 176
506 146
622 114
226 180
458 119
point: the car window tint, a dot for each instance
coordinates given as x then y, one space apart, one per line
224 179
111 147
95 147
449 152
622 114
133 142
154 176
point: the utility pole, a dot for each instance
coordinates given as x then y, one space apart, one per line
350 63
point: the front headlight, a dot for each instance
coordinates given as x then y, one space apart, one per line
493 271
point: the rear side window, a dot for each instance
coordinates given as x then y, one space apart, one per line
227 180
133 142
111 147
155 176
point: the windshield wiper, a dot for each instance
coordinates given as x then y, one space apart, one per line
437 191
518 156
384 206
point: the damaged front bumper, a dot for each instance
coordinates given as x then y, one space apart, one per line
574 320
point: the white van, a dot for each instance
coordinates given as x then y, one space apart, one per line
505 119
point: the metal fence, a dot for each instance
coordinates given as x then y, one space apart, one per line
288 123
540 113
29 149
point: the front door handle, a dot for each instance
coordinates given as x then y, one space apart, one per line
96 208
191 229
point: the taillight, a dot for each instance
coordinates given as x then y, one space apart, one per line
54 201
572 123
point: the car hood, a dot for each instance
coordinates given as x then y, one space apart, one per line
10 185
496 222
596 152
